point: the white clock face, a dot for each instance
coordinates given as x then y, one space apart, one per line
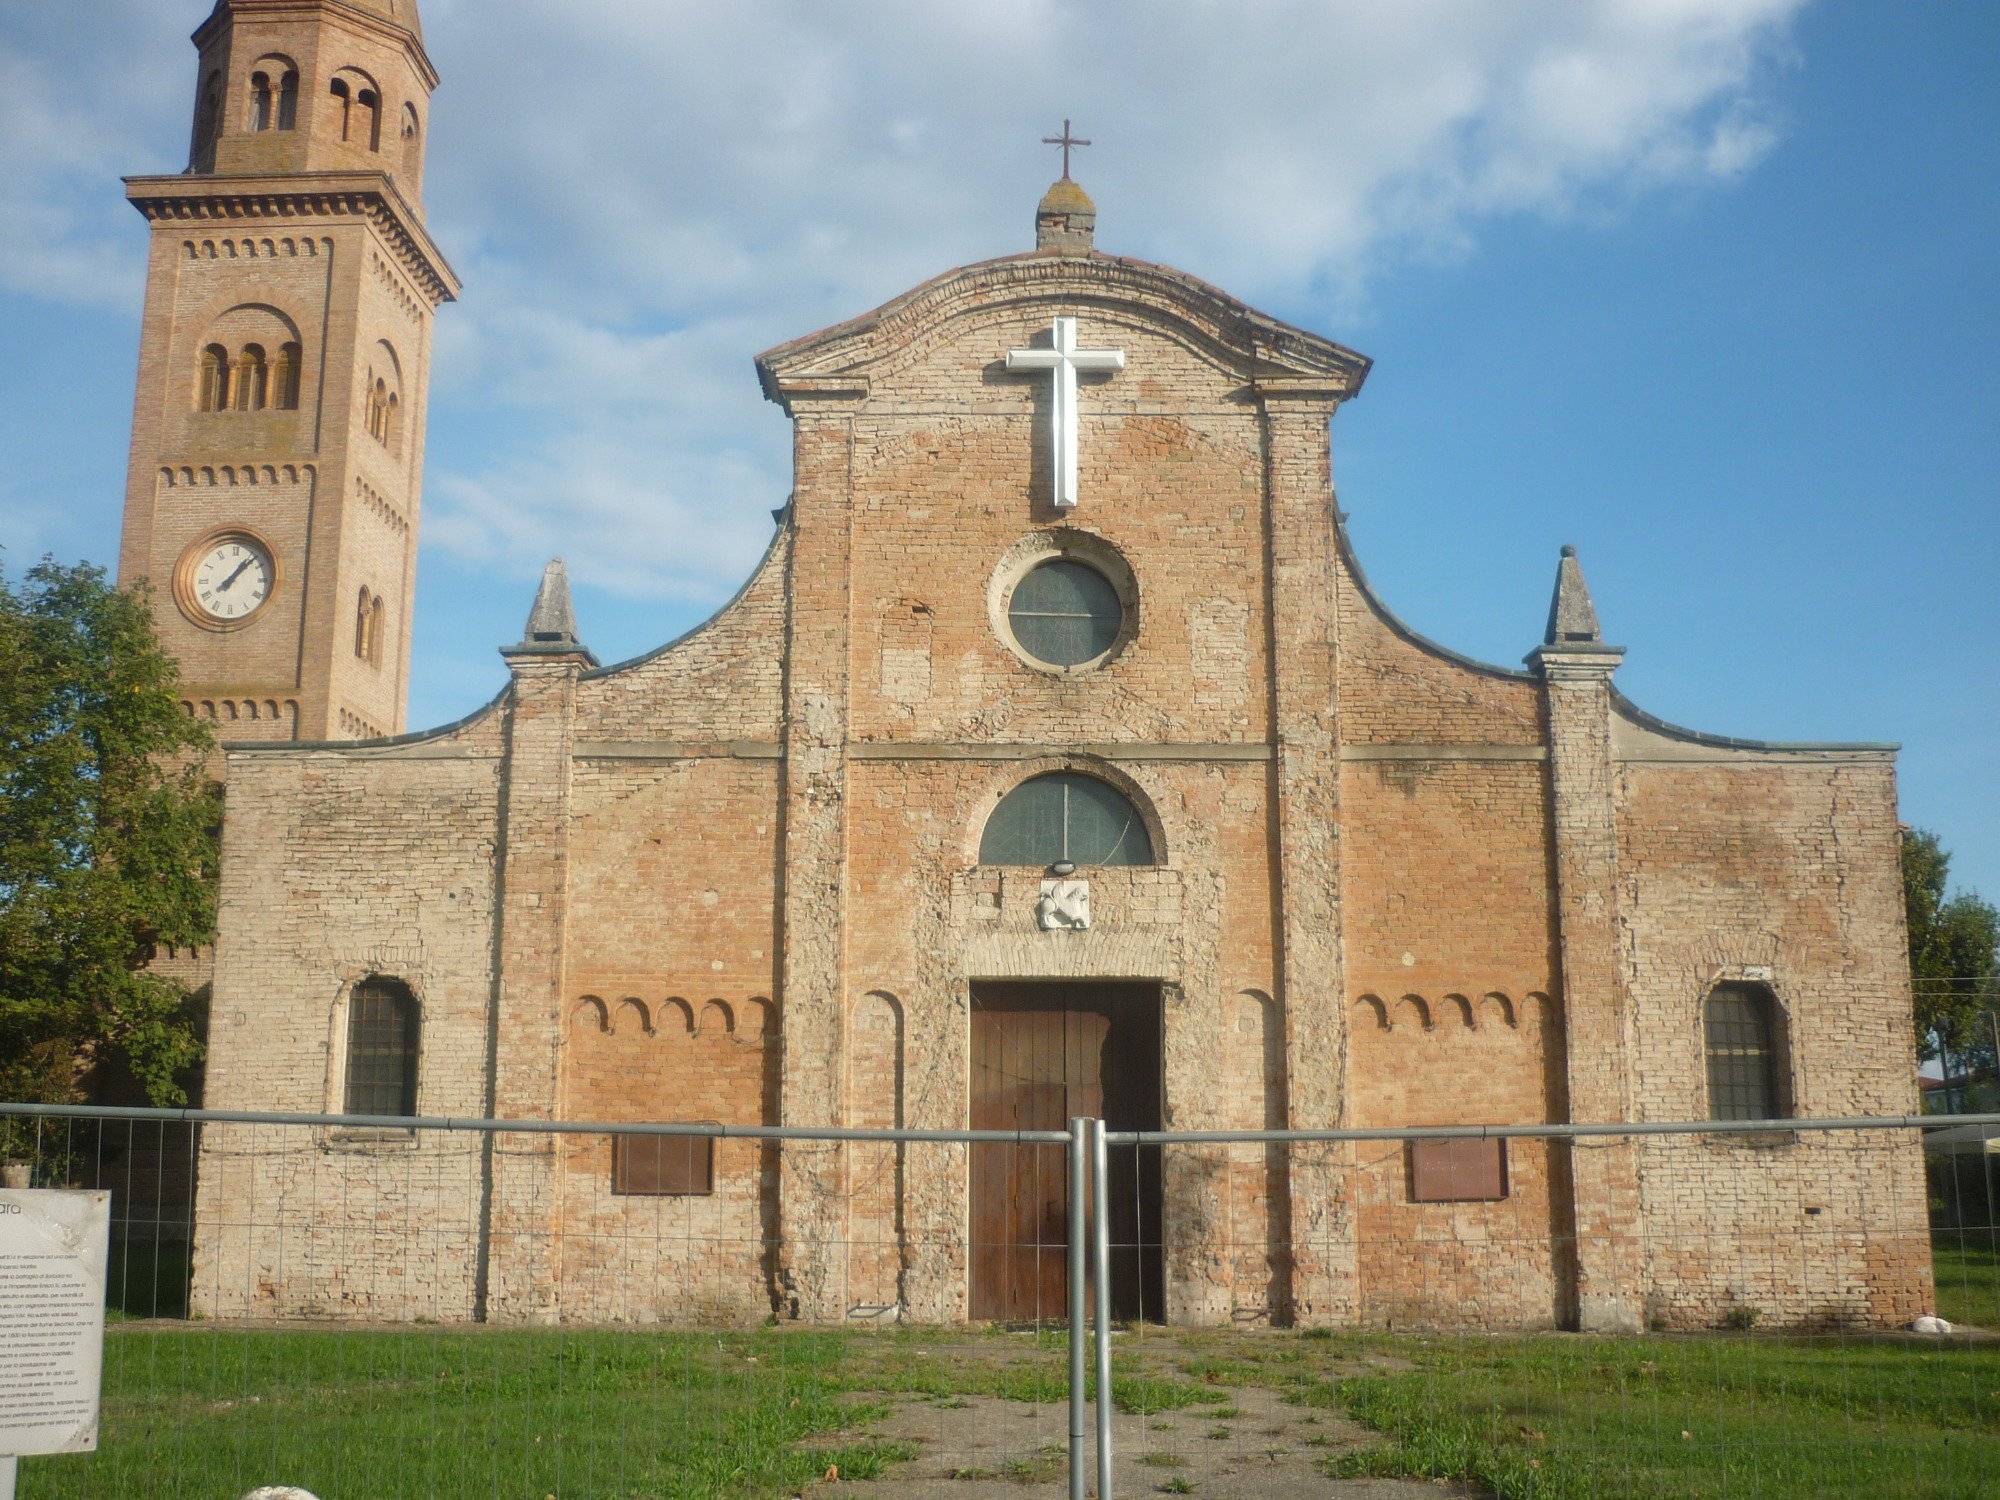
231 579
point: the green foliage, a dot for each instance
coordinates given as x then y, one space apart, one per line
1954 951
107 839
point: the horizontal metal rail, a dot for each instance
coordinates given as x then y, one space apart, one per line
1552 1131
1547 1131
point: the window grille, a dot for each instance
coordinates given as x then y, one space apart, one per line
382 1049
1742 1054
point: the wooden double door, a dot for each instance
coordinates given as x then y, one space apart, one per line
1043 1053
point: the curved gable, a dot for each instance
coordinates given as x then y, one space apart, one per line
1228 333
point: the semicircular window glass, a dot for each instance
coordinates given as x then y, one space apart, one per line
1065 816
1065 613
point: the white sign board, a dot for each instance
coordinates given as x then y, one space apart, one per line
52 1252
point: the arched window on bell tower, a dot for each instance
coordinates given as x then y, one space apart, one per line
274 94
284 384
342 113
251 379
212 383
365 618
354 106
413 144
368 122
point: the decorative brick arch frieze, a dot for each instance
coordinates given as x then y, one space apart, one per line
1452 1010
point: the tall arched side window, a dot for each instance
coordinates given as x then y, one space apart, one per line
288 100
363 619
376 612
1740 1026
263 101
212 384
382 1037
1065 817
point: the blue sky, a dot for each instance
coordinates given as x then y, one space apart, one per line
1709 288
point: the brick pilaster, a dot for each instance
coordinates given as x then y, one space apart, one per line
813 979
523 1208
1299 494
1596 1004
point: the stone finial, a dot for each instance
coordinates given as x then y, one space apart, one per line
552 622
1065 219
1572 617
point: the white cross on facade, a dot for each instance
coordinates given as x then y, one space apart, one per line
1063 361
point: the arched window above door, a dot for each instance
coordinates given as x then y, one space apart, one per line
1065 817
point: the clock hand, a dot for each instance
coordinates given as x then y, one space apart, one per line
233 576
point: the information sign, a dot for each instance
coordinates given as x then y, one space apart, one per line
53 1244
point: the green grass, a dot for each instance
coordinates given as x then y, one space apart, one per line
1968 1277
442 1414
1679 1418
435 1413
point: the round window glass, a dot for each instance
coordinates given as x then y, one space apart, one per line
1065 613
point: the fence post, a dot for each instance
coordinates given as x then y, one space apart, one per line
1100 1237
1079 1187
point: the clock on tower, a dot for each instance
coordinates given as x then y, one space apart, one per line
278 427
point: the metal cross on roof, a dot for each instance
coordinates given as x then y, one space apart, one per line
1065 140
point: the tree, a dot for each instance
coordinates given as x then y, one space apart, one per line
1954 948
107 839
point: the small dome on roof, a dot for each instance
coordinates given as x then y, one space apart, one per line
1066 196
1065 219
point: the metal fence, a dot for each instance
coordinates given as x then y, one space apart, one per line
373 1308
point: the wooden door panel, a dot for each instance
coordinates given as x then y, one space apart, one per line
1043 1054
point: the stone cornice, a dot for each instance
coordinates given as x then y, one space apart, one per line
196 198
1576 662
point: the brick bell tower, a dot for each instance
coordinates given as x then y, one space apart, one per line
278 428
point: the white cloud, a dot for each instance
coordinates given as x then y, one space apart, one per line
644 193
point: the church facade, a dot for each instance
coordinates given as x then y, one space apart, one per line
1058 759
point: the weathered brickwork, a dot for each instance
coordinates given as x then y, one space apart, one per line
1782 870
740 880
